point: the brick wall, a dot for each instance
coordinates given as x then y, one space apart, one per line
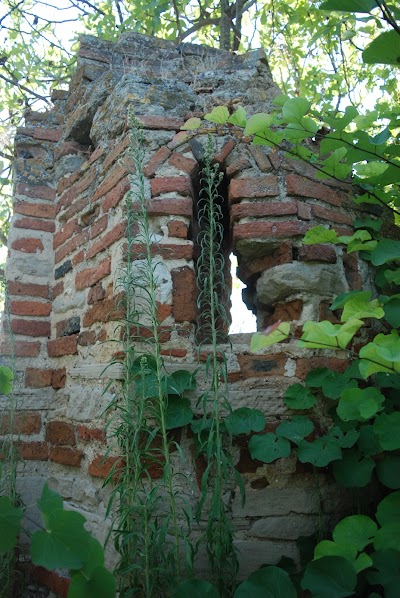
72 172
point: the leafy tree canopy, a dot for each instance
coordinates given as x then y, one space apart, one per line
313 49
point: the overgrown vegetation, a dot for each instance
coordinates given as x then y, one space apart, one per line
154 525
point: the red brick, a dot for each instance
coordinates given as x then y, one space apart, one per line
33 451
74 208
258 366
28 289
113 197
30 308
178 229
351 270
68 181
286 312
58 289
317 253
60 433
96 154
98 226
155 161
36 191
260 156
30 327
184 294
225 151
21 349
274 230
26 423
167 251
111 179
174 352
28 245
103 311
37 210
326 314
66 456
70 246
260 209
116 152
58 378
78 257
47 134
303 366
331 215
87 338
302 187
182 163
57 583
37 378
96 293
66 232
169 206
66 345
102 467
172 184
160 122
35 224
138 333
86 434
282 255
237 166
108 239
265 186
304 210
81 186
68 148
90 276
163 311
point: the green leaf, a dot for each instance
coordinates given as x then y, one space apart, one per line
330 577
320 452
357 530
268 447
344 439
295 429
342 299
191 124
6 378
63 544
258 123
353 471
49 502
359 404
381 355
321 335
370 169
393 276
178 413
388 537
349 5
180 381
329 548
100 584
392 311
388 510
298 396
195 588
238 118
10 524
244 420
294 109
320 234
385 251
267 582
368 442
387 429
385 49
218 115
387 574
273 334
359 307
368 222
387 470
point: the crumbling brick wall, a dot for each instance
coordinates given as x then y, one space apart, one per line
66 246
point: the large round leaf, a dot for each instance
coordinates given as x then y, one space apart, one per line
330 577
244 420
298 396
295 429
268 582
385 49
388 471
359 403
388 510
268 447
6 378
320 452
100 584
10 524
387 429
358 530
178 413
353 471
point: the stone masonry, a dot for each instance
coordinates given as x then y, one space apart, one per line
72 171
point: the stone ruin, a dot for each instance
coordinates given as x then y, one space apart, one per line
72 171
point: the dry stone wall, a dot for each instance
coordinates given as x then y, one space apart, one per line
72 172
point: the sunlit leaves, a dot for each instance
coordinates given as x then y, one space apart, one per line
385 251
323 335
258 123
349 5
191 124
218 115
6 378
238 118
275 334
320 234
381 355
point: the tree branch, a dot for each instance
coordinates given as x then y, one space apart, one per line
16 83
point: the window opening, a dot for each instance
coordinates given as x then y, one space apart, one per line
242 318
